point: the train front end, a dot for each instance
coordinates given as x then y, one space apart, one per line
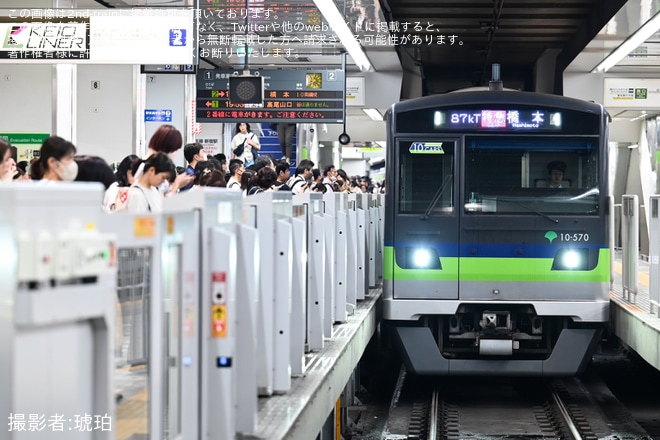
488 268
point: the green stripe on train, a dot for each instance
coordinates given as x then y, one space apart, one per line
497 269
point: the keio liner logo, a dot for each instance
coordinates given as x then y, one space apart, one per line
45 37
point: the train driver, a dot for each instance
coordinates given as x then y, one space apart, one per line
556 170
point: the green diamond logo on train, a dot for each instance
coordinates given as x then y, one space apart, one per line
551 235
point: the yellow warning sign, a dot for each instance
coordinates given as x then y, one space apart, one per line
219 321
144 227
170 225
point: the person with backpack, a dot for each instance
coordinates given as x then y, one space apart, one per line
245 144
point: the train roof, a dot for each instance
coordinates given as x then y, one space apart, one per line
481 97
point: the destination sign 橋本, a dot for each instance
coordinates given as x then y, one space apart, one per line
497 119
289 96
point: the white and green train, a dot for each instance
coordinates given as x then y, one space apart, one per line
497 258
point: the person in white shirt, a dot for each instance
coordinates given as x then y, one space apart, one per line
117 194
144 196
300 182
556 170
236 169
248 140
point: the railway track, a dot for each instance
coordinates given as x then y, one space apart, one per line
425 408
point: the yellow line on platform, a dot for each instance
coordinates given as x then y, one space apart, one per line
643 276
132 416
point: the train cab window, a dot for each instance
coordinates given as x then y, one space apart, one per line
426 170
519 175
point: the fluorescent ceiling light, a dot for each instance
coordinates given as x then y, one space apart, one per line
631 43
339 27
642 115
373 114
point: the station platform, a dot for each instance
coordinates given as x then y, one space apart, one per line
305 408
632 318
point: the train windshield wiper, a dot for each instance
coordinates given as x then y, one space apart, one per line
522 205
436 197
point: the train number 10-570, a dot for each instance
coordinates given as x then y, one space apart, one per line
573 237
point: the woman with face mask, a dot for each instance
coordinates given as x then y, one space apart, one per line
55 161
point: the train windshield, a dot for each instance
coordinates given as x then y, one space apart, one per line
425 177
526 175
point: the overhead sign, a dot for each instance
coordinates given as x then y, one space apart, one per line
64 38
27 145
355 88
118 36
632 93
168 68
289 96
151 115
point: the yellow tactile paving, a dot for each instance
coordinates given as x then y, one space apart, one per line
132 416
643 275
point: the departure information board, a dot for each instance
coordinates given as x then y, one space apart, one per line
289 96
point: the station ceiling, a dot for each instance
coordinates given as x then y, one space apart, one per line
452 44
513 33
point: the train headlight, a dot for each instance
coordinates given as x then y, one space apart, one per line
418 258
421 258
571 259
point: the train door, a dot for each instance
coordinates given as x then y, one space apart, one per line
425 226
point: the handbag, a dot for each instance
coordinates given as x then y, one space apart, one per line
238 151
120 200
255 153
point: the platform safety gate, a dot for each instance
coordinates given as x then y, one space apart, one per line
359 204
654 255
158 261
299 280
336 213
315 245
58 293
630 246
227 293
270 212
